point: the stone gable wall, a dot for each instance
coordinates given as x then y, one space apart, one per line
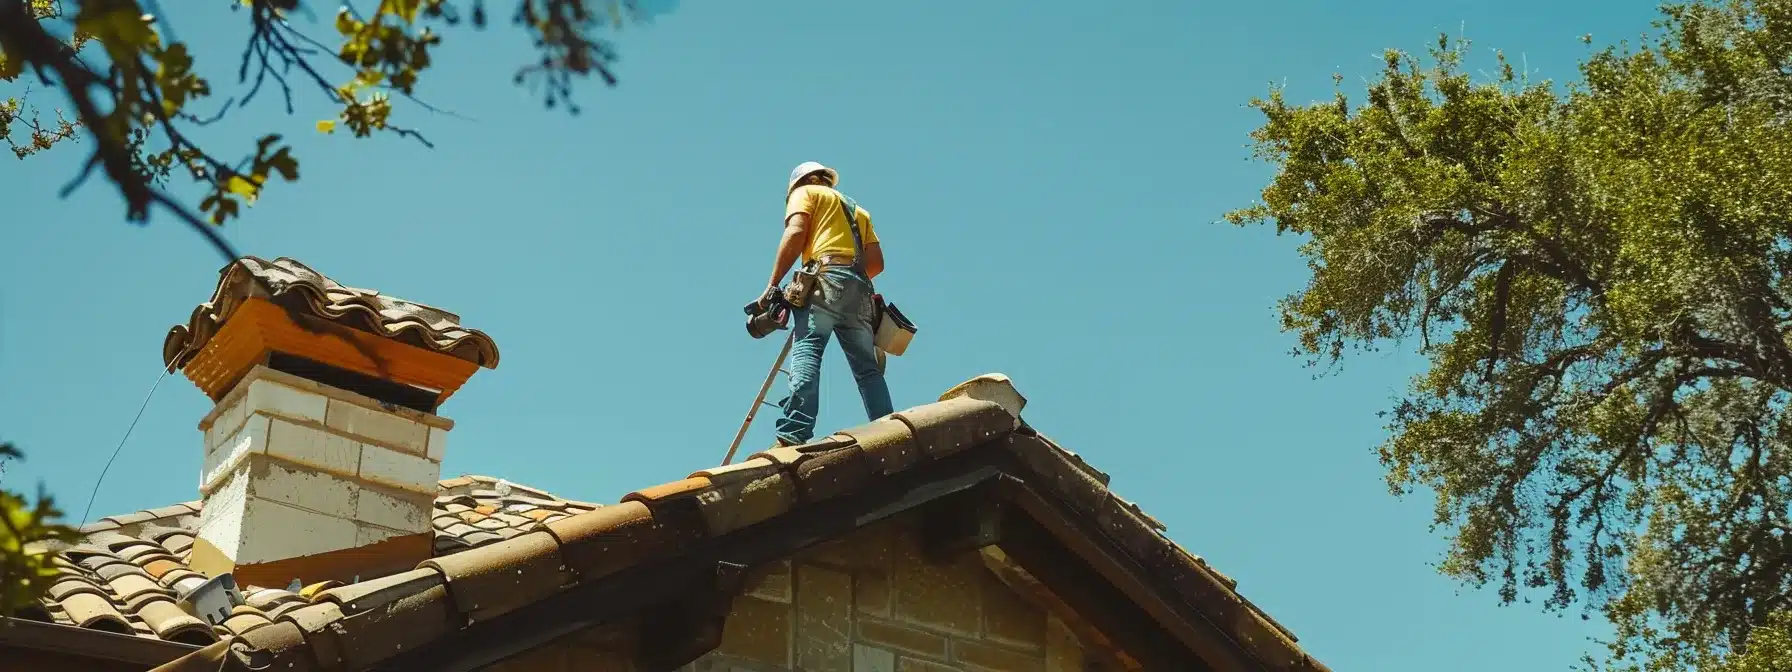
866 603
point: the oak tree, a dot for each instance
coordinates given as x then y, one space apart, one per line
1597 273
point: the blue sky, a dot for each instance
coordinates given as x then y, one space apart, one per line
1024 161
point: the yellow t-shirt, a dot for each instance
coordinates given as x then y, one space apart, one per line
828 234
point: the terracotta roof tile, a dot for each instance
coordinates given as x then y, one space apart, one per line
293 284
98 526
178 543
173 511
131 518
118 568
91 610
745 499
126 578
168 621
478 538
411 621
457 530
836 473
267 598
668 490
488 523
486 582
609 539
244 622
888 442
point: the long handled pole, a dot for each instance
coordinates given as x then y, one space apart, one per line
759 400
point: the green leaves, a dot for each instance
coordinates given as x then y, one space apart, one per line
387 45
175 79
234 189
1598 274
1770 650
28 534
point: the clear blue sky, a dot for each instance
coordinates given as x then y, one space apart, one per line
1022 158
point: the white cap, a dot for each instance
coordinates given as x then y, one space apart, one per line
808 168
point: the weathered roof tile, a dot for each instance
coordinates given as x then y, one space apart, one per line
92 610
486 582
478 538
131 581
946 427
604 541
168 621
404 624
244 622
743 502
131 518
888 442
835 473
667 490
376 593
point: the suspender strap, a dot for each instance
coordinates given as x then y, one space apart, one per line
858 245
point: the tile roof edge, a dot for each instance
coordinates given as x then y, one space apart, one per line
89 643
1094 500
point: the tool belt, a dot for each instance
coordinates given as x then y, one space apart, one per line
805 284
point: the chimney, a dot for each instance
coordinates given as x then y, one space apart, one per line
324 448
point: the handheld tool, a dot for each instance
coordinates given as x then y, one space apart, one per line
763 320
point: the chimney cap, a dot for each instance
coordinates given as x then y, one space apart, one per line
299 289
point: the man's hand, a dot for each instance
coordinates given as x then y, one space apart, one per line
766 298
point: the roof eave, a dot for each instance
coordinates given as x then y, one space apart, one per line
1118 596
89 643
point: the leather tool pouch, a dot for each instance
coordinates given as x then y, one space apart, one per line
803 285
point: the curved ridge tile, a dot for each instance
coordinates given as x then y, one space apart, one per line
94 611
171 623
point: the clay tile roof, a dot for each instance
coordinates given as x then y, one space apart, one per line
504 550
295 286
125 578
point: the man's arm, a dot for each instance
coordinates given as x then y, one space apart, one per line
874 259
796 235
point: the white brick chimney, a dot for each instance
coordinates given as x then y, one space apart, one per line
295 468
323 452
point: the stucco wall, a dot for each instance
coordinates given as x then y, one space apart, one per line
868 603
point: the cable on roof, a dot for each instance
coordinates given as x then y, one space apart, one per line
127 435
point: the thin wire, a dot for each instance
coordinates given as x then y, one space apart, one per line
127 435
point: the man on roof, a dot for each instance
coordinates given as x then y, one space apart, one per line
839 247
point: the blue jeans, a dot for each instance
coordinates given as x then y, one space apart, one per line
845 309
